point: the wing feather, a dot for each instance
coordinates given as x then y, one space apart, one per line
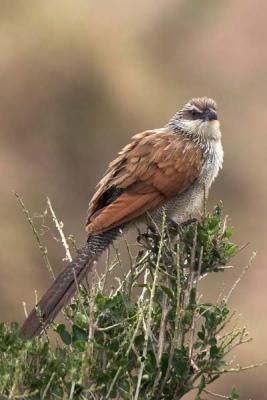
156 166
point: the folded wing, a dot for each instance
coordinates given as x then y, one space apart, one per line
156 166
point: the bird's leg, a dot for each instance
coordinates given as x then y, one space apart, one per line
174 226
151 238
152 229
190 221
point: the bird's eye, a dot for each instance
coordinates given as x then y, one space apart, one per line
195 114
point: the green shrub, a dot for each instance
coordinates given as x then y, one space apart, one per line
150 337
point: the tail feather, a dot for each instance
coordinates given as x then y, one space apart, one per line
65 285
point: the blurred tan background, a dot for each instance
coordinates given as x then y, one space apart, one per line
78 78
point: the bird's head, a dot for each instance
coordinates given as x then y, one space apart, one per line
198 119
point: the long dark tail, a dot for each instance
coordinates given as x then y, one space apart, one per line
65 285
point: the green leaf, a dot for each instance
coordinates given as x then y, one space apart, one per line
234 395
229 232
231 249
168 291
143 285
213 341
181 361
64 334
79 334
215 352
81 319
201 335
188 318
214 223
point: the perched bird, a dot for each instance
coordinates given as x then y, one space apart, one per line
160 169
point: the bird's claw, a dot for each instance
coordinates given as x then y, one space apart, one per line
179 227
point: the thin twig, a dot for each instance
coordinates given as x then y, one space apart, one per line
175 339
238 368
59 226
42 248
47 386
150 309
219 396
245 269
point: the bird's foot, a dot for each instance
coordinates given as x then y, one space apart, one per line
190 221
174 226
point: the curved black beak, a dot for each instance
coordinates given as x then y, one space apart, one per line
210 115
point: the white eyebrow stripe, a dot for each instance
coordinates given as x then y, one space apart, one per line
193 107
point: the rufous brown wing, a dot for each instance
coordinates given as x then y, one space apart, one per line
156 166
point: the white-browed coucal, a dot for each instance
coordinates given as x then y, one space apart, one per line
160 169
